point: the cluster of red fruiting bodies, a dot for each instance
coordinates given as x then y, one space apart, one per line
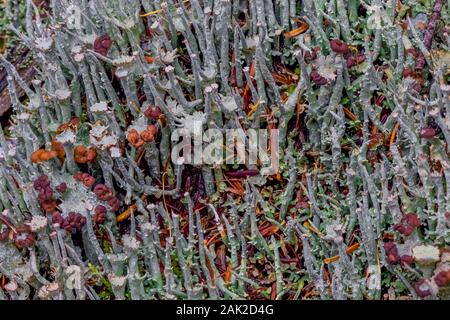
102 44
423 287
406 227
408 224
153 112
74 221
442 279
45 196
21 237
393 256
353 58
103 193
340 48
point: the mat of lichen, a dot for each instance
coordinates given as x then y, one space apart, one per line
92 207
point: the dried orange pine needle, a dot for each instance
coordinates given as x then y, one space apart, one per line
227 274
8 224
331 260
277 176
353 48
266 232
349 250
157 11
213 239
124 215
254 108
149 59
303 28
298 31
257 210
236 187
350 114
296 19
223 234
211 271
236 191
311 293
308 225
140 156
151 13
394 133
253 69
352 248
